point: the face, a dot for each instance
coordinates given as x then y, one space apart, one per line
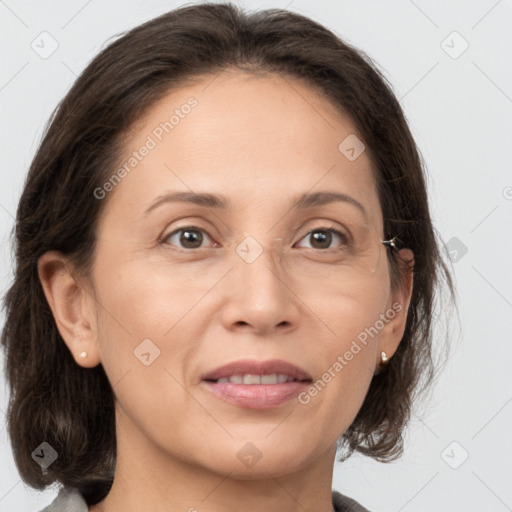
184 288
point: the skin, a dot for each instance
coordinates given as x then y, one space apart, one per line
260 141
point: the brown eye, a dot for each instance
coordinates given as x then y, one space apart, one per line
189 237
322 238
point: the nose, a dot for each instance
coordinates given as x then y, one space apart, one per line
259 296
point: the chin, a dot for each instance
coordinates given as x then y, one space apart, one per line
252 463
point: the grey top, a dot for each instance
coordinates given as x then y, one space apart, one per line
70 500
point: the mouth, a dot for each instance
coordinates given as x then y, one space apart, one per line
257 384
251 379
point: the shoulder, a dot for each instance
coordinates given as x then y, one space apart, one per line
343 503
68 500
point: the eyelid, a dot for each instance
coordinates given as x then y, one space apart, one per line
326 225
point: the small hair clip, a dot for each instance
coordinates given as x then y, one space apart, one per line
391 243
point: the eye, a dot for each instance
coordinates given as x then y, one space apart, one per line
322 238
191 237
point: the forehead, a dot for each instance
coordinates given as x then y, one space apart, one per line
254 137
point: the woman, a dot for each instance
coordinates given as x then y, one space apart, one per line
225 272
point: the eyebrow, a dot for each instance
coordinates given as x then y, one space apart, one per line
205 199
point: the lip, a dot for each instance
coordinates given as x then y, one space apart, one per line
257 396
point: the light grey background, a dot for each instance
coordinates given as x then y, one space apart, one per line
460 110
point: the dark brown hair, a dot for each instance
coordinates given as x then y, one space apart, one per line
55 400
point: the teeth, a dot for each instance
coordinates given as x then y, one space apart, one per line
250 379
269 379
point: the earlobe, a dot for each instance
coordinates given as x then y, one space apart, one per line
67 300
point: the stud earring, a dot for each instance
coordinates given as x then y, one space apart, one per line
83 355
384 358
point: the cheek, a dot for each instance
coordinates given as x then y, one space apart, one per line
143 345
139 314
142 300
346 366
346 308
345 352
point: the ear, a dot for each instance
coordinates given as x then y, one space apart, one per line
398 306
72 306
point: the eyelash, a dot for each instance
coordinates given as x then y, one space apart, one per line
331 229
